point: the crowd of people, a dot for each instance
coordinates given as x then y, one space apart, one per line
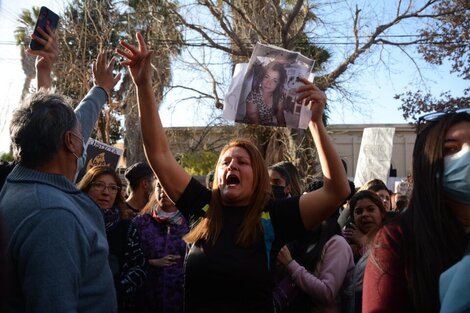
253 239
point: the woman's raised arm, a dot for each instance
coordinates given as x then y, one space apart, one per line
318 205
171 175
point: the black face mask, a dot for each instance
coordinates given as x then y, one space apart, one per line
278 192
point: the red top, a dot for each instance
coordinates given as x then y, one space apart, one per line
385 280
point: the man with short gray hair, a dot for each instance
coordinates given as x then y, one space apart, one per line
57 252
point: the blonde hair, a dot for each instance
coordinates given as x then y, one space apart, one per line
210 225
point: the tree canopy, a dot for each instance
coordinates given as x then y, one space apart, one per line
201 29
447 39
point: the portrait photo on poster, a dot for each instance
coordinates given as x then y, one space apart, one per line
268 91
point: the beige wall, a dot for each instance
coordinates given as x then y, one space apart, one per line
347 139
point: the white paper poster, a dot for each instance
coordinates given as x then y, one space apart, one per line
263 91
375 155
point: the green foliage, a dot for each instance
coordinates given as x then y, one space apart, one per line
27 21
199 162
7 156
321 55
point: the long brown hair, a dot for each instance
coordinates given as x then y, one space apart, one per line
96 171
278 92
211 224
431 231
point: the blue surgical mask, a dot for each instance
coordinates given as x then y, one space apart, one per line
457 175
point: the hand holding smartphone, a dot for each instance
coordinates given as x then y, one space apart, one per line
46 18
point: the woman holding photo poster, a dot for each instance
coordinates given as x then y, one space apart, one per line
264 104
229 267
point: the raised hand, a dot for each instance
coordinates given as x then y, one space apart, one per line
137 59
103 73
311 93
46 57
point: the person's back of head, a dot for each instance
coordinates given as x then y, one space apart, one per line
302 249
135 173
401 202
315 184
37 128
373 185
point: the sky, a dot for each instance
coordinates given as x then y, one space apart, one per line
374 86
12 76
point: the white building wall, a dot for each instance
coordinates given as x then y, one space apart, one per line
347 139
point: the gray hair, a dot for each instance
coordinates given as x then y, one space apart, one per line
37 128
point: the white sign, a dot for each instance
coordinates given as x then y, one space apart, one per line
375 155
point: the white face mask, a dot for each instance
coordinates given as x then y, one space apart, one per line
81 160
457 175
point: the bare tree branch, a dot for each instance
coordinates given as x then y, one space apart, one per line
218 14
355 28
218 102
290 19
373 38
248 20
206 36
203 94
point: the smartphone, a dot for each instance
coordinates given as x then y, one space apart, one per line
46 18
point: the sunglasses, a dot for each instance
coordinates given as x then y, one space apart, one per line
436 116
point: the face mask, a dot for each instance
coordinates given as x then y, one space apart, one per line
81 160
278 192
457 176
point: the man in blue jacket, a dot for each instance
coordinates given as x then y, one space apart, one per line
57 253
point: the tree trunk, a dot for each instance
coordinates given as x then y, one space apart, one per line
134 149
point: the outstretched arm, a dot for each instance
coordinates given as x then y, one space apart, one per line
88 110
46 57
171 175
318 205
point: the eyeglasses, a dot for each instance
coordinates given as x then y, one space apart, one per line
437 116
100 186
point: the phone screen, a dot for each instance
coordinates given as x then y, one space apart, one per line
46 18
